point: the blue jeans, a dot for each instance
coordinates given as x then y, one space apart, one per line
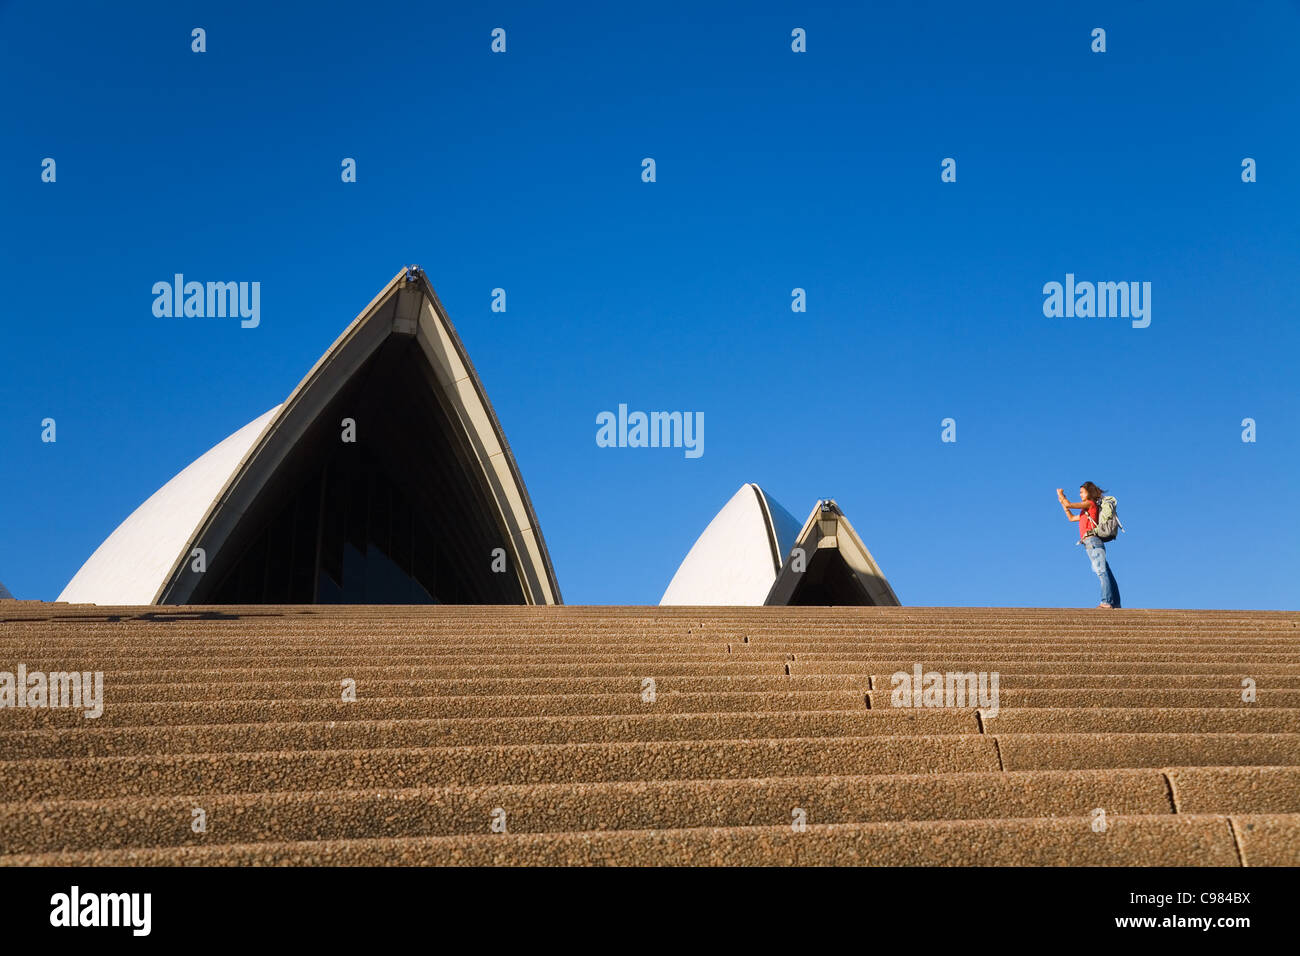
1096 549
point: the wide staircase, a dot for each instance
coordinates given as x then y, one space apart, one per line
649 736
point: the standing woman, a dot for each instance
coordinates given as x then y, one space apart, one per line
1090 496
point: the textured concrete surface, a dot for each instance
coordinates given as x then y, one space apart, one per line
1239 789
770 738
1267 840
644 804
1131 841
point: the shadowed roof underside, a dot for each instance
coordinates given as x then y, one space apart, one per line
834 567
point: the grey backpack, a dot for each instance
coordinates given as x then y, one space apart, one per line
1108 524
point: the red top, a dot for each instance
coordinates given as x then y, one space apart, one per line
1087 519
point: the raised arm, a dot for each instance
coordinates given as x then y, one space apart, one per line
1067 505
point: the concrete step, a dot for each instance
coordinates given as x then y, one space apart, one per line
1235 789
475 731
373 768
885 664
1268 840
1084 751
89 740
127 641
327 683
60 825
1147 840
1241 719
330 709
758 712
325 706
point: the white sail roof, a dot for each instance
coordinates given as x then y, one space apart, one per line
736 559
143 561
133 563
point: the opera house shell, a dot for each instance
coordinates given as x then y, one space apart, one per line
736 559
754 553
384 478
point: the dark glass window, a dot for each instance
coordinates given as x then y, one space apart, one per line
829 581
398 517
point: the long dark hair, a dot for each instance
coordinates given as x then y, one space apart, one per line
1094 493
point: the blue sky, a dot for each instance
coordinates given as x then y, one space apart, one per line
775 170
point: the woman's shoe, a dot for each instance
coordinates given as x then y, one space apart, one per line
1105 606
